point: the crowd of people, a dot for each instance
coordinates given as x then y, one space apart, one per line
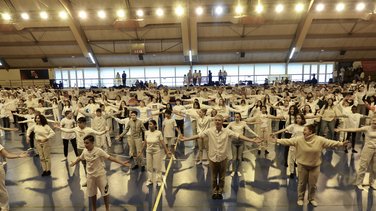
306 118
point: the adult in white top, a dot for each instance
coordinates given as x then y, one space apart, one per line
154 142
4 199
179 110
368 154
218 144
169 128
43 133
308 157
96 174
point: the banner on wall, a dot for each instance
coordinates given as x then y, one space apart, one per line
34 74
369 66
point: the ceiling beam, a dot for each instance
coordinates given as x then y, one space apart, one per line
78 32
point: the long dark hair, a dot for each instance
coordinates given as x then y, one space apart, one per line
42 119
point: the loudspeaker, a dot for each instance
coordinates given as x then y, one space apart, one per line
342 53
45 59
141 57
242 54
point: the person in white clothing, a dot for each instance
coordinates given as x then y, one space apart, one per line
367 155
295 130
237 146
96 174
68 122
81 132
4 199
169 127
43 133
154 142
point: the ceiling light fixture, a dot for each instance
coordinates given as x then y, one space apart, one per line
320 7
279 8
199 11
43 15
82 14
25 16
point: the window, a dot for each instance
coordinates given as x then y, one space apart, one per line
181 71
65 77
277 69
72 75
167 71
80 78
152 73
295 68
137 73
246 69
314 69
296 77
322 69
58 75
262 69
215 70
107 73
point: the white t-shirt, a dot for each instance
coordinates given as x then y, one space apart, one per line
179 108
95 161
153 137
81 134
169 127
67 123
295 129
370 140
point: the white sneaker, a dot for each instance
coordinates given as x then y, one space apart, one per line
198 162
148 182
159 184
64 159
84 184
314 203
300 203
239 174
232 174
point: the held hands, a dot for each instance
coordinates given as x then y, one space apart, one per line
23 154
126 163
73 163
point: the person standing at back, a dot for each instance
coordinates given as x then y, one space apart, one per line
124 78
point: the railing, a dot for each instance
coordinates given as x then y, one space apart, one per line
167 81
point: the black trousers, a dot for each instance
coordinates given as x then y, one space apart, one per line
74 145
180 125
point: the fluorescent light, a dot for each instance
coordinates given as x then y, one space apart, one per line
140 13
199 11
190 56
179 10
6 16
218 10
360 6
299 7
259 8
279 8
239 10
63 15
292 53
25 16
101 14
159 12
340 7
320 7
82 14
120 13
43 15
91 58
1 64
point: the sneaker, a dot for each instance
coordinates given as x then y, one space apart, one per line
143 168
214 196
232 174
314 203
259 152
239 174
159 183
360 187
64 159
84 184
135 167
148 182
219 196
300 203
354 151
198 162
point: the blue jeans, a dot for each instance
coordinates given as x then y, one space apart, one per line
330 125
